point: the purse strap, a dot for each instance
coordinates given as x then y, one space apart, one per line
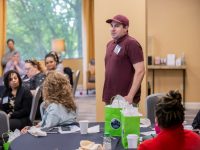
5 134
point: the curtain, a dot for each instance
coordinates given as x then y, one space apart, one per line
88 35
2 30
88 24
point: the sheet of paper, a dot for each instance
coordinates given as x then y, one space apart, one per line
94 129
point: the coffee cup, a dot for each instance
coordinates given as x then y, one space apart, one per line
83 126
132 140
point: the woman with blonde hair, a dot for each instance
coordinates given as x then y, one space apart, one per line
60 108
59 102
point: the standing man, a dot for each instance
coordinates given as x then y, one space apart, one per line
124 63
9 52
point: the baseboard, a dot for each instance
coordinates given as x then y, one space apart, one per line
192 105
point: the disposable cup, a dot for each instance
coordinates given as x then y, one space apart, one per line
132 140
83 126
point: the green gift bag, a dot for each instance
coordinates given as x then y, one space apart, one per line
130 125
112 121
6 144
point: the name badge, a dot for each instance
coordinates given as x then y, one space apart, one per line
117 49
5 100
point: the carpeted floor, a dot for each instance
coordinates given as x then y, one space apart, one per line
86 107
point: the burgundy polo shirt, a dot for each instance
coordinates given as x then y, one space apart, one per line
119 71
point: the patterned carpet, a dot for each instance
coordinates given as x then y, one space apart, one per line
86 107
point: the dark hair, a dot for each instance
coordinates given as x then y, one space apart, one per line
92 61
7 78
169 110
54 56
34 62
10 40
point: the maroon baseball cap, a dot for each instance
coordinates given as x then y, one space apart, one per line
119 18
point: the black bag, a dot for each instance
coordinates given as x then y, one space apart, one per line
196 121
68 71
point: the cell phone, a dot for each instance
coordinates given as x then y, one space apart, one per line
50 130
65 128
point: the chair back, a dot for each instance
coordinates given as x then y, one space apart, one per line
5 126
151 102
2 87
42 108
75 82
1 80
35 101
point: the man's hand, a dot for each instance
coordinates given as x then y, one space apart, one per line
129 99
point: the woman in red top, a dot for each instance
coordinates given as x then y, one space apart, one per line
170 116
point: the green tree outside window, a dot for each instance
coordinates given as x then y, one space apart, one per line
34 23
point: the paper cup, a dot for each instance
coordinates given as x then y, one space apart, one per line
83 126
132 140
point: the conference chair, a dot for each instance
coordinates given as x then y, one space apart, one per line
4 125
34 106
90 84
151 102
77 75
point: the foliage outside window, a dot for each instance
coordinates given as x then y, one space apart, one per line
34 23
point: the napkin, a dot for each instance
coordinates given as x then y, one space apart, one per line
36 131
13 135
94 129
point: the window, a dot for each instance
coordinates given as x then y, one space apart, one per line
34 23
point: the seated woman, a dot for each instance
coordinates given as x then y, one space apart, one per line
58 98
170 116
34 75
52 62
16 100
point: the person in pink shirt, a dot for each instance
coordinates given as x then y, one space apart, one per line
172 136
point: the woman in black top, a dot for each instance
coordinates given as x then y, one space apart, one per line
16 101
34 75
